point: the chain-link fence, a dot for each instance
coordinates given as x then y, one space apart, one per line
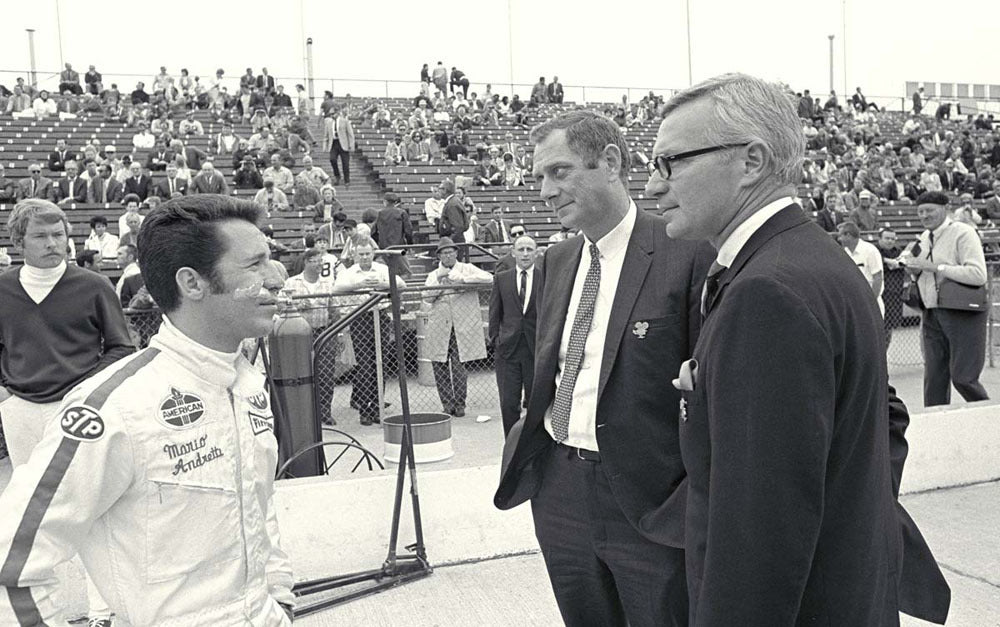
446 357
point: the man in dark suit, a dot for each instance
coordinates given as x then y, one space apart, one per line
393 228
138 183
59 156
166 187
597 452
454 219
265 81
36 185
497 229
554 91
209 181
507 262
71 188
159 157
513 311
105 188
785 426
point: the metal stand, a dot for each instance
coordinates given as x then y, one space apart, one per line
396 569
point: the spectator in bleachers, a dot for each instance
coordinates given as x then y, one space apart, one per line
554 91
105 188
317 311
208 181
512 175
265 81
454 221
36 185
271 197
314 177
69 80
171 184
114 112
440 77
497 229
159 157
139 95
163 81
19 104
281 100
71 188
260 120
8 187
454 330
127 258
90 260
393 228
863 216
226 142
965 212
539 92
99 238
280 175
263 143
193 156
865 256
131 203
456 150
918 101
59 156
183 171
143 140
111 96
954 340
416 147
327 207
138 183
394 153
190 126
434 206
459 79
930 181
486 172
247 176
68 107
991 209
899 188
300 137
342 144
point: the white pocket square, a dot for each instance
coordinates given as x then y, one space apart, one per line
687 378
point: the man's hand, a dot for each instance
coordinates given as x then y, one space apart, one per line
921 265
289 611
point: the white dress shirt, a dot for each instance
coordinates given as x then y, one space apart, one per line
742 234
583 411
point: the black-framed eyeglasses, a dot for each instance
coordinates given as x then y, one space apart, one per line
661 163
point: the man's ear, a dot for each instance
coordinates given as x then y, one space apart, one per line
756 163
190 284
613 155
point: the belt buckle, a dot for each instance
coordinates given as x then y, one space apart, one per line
579 456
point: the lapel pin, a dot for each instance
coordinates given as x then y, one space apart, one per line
640 328
684 410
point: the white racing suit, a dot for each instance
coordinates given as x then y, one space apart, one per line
159 471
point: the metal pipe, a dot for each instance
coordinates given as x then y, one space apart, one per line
31 56
59 34
831 61
687 15
309 74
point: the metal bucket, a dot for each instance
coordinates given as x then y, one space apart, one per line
431 437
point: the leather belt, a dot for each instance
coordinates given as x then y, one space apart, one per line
581 453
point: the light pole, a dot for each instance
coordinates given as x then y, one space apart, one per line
510 46
831 61
31 56
59 32
687 15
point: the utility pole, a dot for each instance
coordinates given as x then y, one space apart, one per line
59 33
510 47
31 56
687 14
309 72
831 61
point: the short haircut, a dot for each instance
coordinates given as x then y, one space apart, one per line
364 240
369 215
34 209
183 232
98 220
886 230
932 198
129 198
131 251
85 257
392 198
746 109
849 228
340 216
310 253
587 135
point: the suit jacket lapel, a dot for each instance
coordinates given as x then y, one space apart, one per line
638 257
789 217
559 287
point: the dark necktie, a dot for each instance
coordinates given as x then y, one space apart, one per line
577 342
930 249
524 289
711 287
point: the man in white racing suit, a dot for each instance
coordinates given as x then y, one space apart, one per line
159 470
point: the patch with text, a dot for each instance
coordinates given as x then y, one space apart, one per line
181 410
82 423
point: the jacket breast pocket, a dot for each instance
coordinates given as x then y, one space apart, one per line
190 527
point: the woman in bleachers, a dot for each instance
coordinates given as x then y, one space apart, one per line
328 206
183 171
259 120
513 176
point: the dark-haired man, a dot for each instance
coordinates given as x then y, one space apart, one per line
180 432
597 452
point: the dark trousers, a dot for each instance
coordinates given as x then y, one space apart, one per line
514 375
345 159
954 344
603 572
451 378
365 375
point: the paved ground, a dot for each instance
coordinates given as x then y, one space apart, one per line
960 524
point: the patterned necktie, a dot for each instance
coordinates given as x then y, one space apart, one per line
711 287
577 342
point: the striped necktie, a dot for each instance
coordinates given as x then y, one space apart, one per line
711 287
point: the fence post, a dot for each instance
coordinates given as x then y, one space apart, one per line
990 275
377 324
386 89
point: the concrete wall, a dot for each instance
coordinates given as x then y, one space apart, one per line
334 527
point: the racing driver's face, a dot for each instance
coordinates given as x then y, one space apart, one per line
243 307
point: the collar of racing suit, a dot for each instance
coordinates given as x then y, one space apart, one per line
225 369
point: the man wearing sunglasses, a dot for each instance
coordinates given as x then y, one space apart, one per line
597 452
36 185
791 513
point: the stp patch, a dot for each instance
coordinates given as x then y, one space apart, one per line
82 423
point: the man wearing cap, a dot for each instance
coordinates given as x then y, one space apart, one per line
954 340
455 325
862 215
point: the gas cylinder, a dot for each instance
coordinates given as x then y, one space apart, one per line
291 351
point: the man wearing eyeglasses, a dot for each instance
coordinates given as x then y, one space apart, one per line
597 452
791 514
36 185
